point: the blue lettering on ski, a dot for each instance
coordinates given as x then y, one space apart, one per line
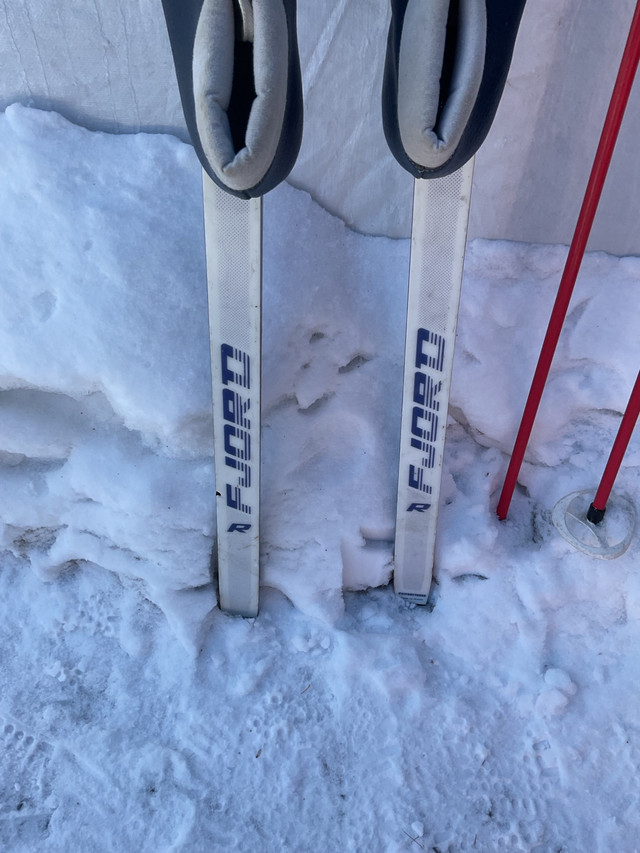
430 350
236 405
233 375
425 415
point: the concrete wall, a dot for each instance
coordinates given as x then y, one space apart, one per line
107 65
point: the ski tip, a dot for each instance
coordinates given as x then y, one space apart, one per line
249 612
413 597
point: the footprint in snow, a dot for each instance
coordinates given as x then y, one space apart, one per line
24 783
554 698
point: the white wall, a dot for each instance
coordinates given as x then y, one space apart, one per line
107 65
533 170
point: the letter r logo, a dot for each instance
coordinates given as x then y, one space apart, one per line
418 507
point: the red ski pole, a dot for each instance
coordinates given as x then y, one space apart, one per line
598 507
613 120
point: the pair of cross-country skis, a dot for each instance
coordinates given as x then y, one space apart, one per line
240 83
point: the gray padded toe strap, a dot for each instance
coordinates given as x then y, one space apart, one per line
213 72
438 82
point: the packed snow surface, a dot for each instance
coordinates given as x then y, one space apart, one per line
134 715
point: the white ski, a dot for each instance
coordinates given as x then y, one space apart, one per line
438 239
233 234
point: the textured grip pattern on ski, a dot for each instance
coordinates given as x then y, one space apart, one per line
233 232
438 239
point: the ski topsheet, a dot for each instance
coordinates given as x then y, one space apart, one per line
240 85
233 234
445 69
438 238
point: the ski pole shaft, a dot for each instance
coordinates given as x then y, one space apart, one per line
625 430
613 120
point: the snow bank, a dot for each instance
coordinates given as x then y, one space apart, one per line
106 427
502 717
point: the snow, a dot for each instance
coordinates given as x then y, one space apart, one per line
134 715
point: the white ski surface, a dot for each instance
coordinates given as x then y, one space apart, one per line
438 239
233 234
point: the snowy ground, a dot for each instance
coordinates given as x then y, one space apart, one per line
134 715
